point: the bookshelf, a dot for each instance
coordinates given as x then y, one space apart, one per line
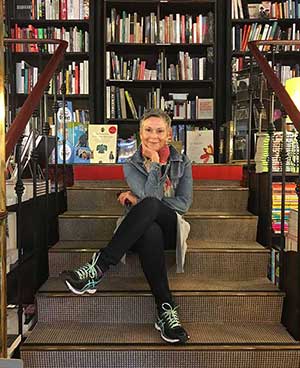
252 20
53 20
160 54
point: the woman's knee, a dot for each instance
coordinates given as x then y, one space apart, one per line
150 204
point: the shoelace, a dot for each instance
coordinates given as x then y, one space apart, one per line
88 270
171 315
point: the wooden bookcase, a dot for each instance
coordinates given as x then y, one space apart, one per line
161 47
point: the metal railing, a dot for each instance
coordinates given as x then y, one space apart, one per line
11 139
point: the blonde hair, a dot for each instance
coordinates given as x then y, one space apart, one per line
157 113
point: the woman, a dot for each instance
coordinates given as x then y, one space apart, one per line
160 182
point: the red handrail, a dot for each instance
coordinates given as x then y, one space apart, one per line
32 101
283 96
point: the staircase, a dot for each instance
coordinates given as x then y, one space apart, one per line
229 307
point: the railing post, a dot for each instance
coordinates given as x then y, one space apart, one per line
3 318
55 121
283 159
63 92
19 188
298 193
251 92
270 163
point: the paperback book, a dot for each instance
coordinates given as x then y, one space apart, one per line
200 146
103 142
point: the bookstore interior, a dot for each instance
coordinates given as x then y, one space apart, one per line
189 58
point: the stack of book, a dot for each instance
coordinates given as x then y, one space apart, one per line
291 238
291 203
262 152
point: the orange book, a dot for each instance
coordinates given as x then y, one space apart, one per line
246 37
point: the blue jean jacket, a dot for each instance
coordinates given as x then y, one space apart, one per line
150 184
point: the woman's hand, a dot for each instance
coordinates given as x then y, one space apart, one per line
149 153
127 196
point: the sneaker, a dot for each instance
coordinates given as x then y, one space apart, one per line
85 278
169 325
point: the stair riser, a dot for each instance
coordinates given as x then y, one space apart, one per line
204 200
162 359
210 229
141 309
221 266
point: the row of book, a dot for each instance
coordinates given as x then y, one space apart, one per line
285 72
279 9
241 35
78 39
76 78
262 152
188 68
174 28
100 143
291 203
121 105
52 9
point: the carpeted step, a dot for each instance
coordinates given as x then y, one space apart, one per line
121 300
239 226
203 263
212 345
86 198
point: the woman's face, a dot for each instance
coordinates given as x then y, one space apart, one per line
154 133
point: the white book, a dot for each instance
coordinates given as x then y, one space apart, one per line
86 79
81 78
107 102
177 29
200 30
103 142
19 78
108 72
240 8
200 146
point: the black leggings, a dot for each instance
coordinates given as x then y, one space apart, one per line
148 229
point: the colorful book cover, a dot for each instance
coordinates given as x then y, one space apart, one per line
103 142
200 146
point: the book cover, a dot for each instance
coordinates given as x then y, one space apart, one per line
206 108
200 146
103 142
23 9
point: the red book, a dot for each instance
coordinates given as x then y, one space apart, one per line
63 10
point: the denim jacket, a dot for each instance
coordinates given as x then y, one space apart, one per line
151 184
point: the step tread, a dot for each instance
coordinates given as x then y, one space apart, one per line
196 187
192 214
178 283
78 334
193 245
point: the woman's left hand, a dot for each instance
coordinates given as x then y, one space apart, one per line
129 196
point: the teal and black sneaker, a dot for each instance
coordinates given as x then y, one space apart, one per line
169 325
84 279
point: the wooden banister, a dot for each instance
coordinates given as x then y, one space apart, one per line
32 101
283 96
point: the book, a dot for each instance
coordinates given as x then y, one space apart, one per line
200 146
23 9
102 139
205 108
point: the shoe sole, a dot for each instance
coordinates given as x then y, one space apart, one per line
78 292
172 341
